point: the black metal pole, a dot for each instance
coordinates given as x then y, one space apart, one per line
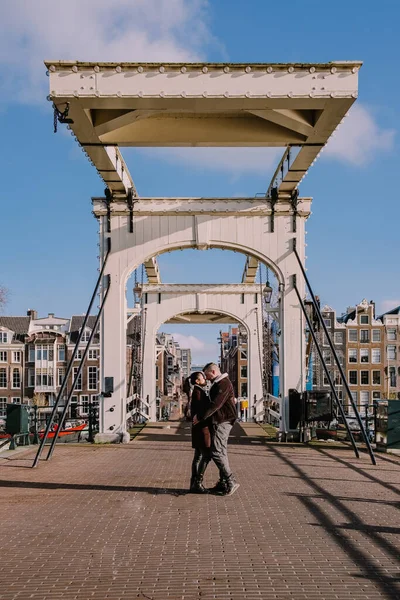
328 375
90 435
333 350
75 381
71 362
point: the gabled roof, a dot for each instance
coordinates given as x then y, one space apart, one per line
394 311
76 324
19 325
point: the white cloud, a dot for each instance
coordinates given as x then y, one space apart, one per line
103 30
386 305
191 341
236 161
359 138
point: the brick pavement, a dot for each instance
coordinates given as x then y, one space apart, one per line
115 522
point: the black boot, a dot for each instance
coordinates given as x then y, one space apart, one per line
219 487
198 487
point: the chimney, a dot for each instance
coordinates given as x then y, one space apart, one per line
51 315
32 313
373 308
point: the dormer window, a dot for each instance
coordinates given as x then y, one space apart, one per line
86 335
3 337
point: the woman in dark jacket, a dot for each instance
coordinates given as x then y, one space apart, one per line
201 435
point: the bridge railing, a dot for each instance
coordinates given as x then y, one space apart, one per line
138 410
268 410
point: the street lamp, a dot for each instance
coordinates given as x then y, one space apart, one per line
267 292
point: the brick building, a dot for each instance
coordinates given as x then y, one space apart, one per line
391 324
233 358
13 331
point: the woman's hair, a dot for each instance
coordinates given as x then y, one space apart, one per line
195 376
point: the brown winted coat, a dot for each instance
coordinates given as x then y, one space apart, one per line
200 402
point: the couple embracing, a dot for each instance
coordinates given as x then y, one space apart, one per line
213 415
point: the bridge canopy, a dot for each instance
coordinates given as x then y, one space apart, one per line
111 105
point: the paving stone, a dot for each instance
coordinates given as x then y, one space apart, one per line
117 522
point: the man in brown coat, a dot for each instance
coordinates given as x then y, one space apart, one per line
222 412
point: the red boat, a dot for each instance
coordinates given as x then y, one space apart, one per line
68 431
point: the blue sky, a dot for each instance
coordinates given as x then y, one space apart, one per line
48 241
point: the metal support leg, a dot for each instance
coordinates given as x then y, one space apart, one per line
333 350
71 362
328 375
71 391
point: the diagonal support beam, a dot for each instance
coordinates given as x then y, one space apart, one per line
295 120
250 270
118 120
152 270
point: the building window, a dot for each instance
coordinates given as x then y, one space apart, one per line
3 337
44 353
364 377
60 376
243 371
364 355
340 357
352 355
324 340
338 337
95 400
376 378
61 352
243 390
31 377
243 355
241 298
375 356
156 371
16 356
3 355
85 336
16 379
325 380
340 394
376 395
327 322
92 354
84 408
78 355
92 378
364 398
3 406
353 377
78 386
391 335
392 376
3 378
353 335
31 353
337 379
364 336
44 378
327 356
376 335
391 352
364 319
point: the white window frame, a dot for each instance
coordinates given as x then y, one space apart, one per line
361 318
349 336
352 350
82 401
364 371
14 372
61 348
92 354
4 387
328 321
393 348
353 371
31 353
86 335
380 377
15 400
364 351
243 367
3 337
88 378
3 353
338 337
364 398
368 340
31 377
3 406
78 387
60 370
391 337
376 333
14 354
376 350
327 356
